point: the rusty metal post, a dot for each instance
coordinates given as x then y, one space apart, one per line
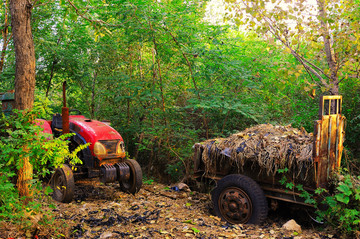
65 112
329 136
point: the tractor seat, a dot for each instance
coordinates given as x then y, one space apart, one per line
56 124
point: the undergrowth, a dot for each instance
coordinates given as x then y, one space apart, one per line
20 138
342 207
338 206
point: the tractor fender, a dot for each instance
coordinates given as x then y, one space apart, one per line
85 156
45 126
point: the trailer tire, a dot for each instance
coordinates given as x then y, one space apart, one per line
63 184
238 199
134 183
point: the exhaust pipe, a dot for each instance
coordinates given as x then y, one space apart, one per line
65 112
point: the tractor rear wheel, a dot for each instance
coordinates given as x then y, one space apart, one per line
239 199
63 184
133 184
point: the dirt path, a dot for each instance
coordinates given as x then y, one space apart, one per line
100 211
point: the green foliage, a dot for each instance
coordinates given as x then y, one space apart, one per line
175 171
10 205
340 207
21 137
148 181
343 206
166 78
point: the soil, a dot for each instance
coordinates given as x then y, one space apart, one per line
157 211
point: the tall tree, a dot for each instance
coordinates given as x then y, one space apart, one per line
24 77
318 35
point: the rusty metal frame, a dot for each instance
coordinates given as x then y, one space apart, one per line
329 133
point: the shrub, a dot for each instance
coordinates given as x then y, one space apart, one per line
339 205
343 205
19 138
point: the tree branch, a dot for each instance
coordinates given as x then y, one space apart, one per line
83 16
307 65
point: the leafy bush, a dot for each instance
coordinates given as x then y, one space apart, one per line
343 206
339 205
21 138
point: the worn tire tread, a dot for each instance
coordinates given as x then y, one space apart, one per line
250 187
66 171
137 178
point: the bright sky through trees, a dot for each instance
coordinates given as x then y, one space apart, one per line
216 12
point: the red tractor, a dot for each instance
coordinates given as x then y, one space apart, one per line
103 158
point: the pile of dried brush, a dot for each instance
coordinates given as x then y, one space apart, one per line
272 147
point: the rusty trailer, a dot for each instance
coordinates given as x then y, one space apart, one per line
243 188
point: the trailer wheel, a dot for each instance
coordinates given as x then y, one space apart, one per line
133 184
63 184
239 199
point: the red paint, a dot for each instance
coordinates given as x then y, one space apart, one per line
93 130
45 125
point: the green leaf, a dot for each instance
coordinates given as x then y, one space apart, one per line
289 185
345 189
331 202
342 198
195 230
189 221
319 191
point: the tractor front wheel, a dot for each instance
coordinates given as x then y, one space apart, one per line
63 184
133 184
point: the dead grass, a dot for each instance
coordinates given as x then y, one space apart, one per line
271 147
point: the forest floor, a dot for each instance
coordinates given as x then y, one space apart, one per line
103 211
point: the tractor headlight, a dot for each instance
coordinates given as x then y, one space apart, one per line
99 149
120 149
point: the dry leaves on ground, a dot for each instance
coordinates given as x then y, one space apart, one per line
103 211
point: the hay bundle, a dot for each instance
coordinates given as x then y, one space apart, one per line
272 147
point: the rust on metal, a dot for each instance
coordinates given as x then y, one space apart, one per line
235 205
108 173
123 171
113 160
64 94
281 198
65 113
329 137
65 120
285 195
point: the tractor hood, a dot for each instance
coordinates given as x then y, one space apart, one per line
93 130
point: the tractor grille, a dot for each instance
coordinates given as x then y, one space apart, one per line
110 146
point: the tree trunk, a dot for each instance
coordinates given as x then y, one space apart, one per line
24 77
330 57
5 36
24 177
24 54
